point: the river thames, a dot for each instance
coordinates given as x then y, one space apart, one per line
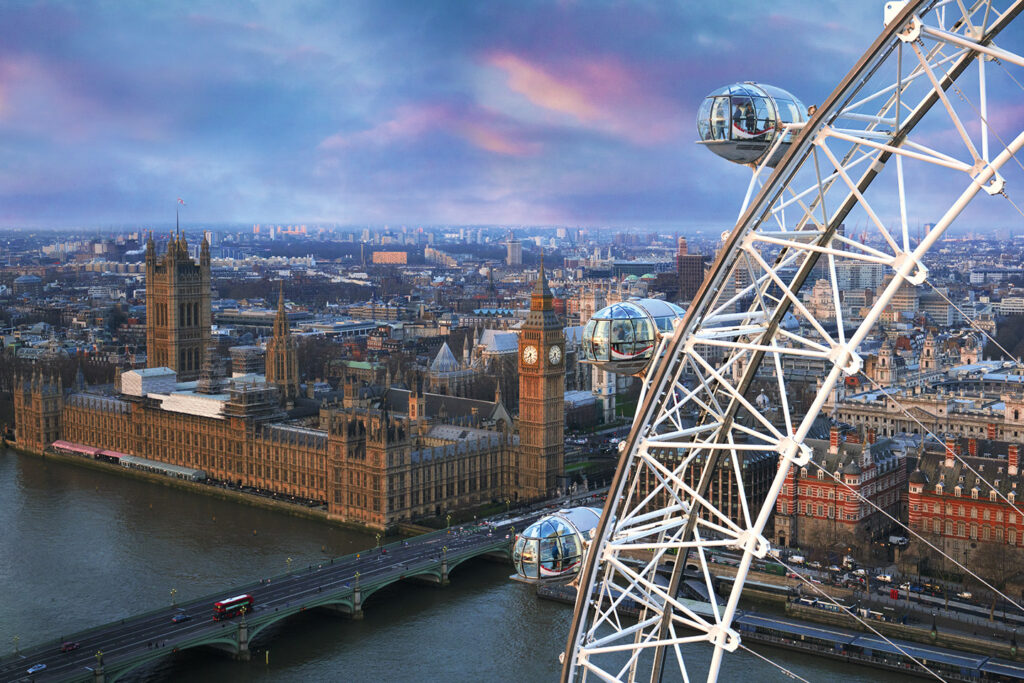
82 547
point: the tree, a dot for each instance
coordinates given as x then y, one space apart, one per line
1010 336
995 563
909 559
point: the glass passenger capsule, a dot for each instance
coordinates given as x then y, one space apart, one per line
622 337
551 549
741 121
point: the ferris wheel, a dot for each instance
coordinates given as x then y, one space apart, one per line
926 122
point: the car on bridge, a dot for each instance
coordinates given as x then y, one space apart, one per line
180 617
36 668
68 646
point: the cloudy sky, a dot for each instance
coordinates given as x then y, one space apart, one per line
419 112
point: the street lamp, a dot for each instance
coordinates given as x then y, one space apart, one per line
507 504
173 593
16 639
288 562
378 540
448 517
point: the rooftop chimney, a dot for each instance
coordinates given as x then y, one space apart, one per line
833 440
950 451
1011 459
972 447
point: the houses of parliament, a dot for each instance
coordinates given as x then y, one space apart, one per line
374 456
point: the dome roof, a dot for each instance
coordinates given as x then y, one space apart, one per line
445 360
852 468
918 477
27 279
648 276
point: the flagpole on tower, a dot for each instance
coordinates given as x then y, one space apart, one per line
177 221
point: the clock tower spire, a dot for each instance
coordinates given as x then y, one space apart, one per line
541 395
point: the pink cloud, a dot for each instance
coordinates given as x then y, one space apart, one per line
600 94
481 128
42 98
544 89
488 138
409 122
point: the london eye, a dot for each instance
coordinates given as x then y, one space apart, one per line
923 122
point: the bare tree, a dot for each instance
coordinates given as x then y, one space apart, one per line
996 563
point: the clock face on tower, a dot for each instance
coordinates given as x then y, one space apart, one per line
530 355
555 355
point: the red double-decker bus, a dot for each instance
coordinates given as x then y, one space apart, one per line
232 607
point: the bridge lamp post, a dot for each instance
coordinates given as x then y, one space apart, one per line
288 563
173 593
507 504
449 520
16 639
378 541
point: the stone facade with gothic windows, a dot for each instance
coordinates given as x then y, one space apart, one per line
365 463
178 313
541 396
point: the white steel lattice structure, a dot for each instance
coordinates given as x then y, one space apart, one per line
914 123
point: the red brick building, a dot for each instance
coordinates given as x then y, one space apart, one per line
816 512
959 510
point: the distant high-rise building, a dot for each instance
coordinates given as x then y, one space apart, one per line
515 252
177 308
690 269
390 257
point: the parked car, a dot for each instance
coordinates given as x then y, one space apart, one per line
814 565
796 559
964 595
834 568
884 578
68 646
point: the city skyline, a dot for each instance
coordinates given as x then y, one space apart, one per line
553 114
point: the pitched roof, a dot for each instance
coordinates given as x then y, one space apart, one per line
444 361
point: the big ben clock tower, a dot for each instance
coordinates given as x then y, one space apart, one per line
541 395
